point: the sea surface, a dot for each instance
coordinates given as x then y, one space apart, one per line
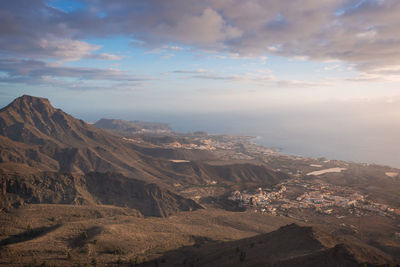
365 133
343 138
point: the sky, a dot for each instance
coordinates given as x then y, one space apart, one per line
148 59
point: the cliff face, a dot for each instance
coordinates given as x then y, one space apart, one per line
91 189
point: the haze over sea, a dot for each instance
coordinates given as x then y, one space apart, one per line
353 131
341 140
334 138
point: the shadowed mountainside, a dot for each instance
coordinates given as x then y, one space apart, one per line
92 188
290 245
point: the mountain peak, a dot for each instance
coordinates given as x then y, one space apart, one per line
28 103
33 119
32 100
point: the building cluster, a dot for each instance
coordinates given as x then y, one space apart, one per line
289 197
321 198
204 146
226 146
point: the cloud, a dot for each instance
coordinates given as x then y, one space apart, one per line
216 77
259 78
191 71
104 56
53 47
39 72
32 29
360 32
376 77
174 47
337 67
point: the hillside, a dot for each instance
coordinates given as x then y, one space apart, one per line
74 194
34 121
131 126
48 156
35 135
91 189
290 245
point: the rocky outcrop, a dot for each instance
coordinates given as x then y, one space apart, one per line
91 189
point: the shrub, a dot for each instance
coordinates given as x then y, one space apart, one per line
134 261
84 235
29 228
118 251
242 256
34 263
3 231
45 264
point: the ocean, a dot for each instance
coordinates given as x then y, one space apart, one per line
367 133
334 137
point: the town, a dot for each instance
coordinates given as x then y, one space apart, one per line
289 197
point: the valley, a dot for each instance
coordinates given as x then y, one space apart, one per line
136 193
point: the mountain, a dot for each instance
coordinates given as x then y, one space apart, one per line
117 125
290 245
34 121
40 141
131 126
47 156
36 136
48 139
40 132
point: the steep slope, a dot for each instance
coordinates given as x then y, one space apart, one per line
196 172
33 134
175 153
92 188
290 245
75 145
33 120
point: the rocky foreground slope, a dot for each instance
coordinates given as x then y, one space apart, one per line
290 245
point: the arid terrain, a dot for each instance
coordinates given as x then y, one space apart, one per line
137 193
